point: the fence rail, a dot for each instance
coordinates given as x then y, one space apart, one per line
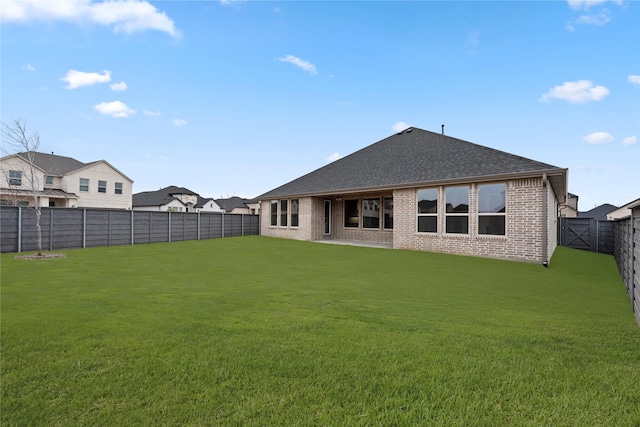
84 228
627 254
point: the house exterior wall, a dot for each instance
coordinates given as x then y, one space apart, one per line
525 221
523 240
94 199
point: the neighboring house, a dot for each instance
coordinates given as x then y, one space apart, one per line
422 190
598 213
63 182
236 204
622 212
173 199
569 209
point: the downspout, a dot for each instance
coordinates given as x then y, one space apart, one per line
545 222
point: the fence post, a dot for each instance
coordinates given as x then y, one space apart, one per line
222 228
169 240
19 228
242 225
198 225
84 228
51 229
109 231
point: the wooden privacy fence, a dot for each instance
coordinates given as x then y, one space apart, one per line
586 233
627 254
84 228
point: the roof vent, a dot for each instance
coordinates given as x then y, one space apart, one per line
408 130
443 129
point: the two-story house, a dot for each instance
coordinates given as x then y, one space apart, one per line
61 181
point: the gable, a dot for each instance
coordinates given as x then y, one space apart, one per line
414 157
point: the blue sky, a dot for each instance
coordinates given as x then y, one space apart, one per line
238 97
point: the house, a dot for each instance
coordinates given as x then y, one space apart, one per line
598 213
63 182
623 211
421 190
239 205
569 209
173 199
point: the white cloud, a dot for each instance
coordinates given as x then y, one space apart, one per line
598 19
150 113
576 92
587 4
76 79
335 156
229 2
179 122
301 63
28 67
118 87
114 109
125 16
400 126
598 138
630 140
634 79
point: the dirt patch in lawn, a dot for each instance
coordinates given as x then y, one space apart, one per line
43 256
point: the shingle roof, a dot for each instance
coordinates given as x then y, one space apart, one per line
53 164
160 197
599 212
233 203
411 157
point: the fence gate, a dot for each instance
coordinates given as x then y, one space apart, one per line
586 233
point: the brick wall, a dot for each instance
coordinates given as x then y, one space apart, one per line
524 225
525 218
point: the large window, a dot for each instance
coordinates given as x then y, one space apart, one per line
84 184
457 210
295 209
15 178
351 213
284 212
370 213
48 180
118 188
492 203
428 210
388 212
274 213
102 186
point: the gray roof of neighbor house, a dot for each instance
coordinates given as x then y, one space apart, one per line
160 197
416 157
599 212
233 203
56 165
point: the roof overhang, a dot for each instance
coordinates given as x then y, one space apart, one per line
556 177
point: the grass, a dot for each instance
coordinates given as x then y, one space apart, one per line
260 331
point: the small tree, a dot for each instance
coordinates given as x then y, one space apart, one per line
16 135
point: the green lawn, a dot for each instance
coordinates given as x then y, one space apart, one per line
271 332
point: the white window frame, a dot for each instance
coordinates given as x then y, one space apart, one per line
102 186
118 188
15 178
430 214
457 214
85 185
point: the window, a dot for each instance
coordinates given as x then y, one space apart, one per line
428 210
370 213
388 212
351 213
15 178
118 188
457 213
84 184
274 213
295 209
48 180
23 203
283 212
492 204
102 186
